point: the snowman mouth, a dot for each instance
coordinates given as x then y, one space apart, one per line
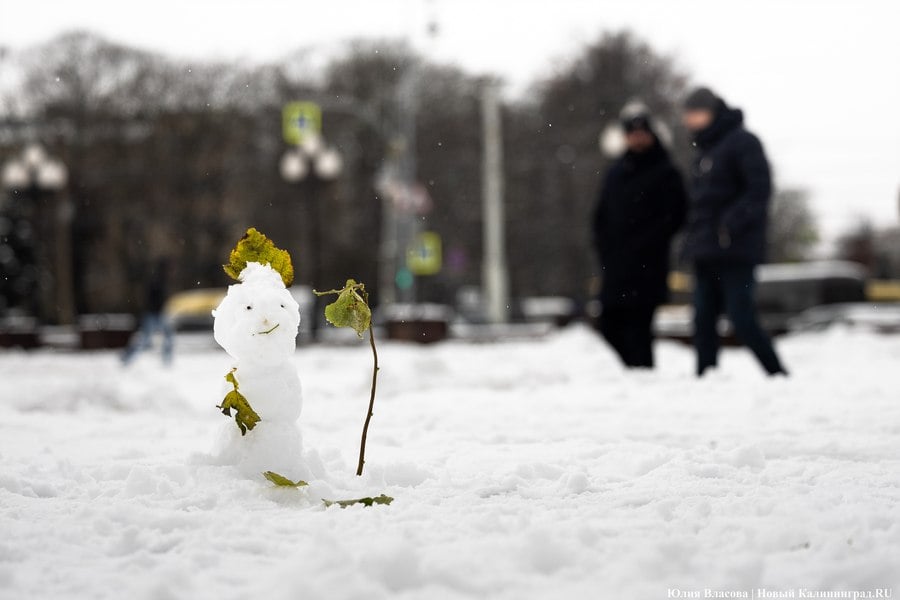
268 331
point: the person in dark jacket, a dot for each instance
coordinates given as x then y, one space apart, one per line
154 319
641 206
726 233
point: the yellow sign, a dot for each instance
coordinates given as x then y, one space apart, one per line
300 120
424 256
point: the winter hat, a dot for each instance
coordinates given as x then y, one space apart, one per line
634 115
637 122
703 98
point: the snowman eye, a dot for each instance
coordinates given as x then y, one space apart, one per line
249 307
282 306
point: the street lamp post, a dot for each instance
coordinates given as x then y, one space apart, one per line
29 177
313 162
495 276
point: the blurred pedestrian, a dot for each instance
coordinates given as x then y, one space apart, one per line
153 319
726 238
641 205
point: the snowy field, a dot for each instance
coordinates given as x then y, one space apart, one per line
535 469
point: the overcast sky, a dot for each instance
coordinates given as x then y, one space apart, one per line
818 80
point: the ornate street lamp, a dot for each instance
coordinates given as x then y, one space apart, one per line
34 169
311 156
314 162
27 178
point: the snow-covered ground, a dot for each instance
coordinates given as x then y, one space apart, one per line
533 469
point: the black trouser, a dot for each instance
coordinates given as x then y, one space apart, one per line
729 289
629 330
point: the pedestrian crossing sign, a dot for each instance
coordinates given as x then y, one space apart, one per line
423 257
300 120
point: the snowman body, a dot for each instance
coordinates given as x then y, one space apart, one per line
257 323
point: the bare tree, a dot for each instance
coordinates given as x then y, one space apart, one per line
793 232
174 158
555 164
858 244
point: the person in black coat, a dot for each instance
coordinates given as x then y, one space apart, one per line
726 233
641 206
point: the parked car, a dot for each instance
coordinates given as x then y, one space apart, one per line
882 318
191 310
786 290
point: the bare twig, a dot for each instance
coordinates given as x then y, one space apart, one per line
365 431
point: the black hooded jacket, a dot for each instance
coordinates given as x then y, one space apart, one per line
641 206
730 191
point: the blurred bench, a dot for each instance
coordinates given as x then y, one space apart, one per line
103 331
422 323
19 332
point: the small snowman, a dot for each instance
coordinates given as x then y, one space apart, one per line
257 323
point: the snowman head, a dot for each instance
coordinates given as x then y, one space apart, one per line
258 319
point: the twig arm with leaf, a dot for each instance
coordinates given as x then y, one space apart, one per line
351 309
244 415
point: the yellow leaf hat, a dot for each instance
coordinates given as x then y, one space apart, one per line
256 247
